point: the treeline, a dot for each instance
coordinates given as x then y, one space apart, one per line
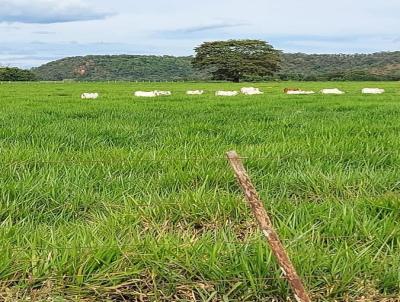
15 74
382 66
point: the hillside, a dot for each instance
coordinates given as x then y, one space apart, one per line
121 67
298 66
377 66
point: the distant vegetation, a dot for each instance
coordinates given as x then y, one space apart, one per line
379 66
15 74
122 67
382 66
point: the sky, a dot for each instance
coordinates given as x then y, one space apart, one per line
33 32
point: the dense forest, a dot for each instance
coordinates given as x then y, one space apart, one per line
121 67
382 66
15 74
378 66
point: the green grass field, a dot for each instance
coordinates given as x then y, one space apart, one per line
132 199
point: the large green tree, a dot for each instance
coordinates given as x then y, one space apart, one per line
235 60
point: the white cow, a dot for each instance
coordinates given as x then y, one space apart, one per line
92 96
331 91
162 93
299 92
226 93
250 91
373 91
145 94
194 92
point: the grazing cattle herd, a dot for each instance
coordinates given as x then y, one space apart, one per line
244 91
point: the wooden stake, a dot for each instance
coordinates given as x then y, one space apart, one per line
267 228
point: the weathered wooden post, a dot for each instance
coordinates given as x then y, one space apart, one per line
267 228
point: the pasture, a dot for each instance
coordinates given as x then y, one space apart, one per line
128 198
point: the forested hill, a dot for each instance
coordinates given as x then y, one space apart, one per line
377 66
298 66
120 67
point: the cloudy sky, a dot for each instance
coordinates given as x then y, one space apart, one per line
33 32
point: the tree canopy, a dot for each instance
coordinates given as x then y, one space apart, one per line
235 60
16 74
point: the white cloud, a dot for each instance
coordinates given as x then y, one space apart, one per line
48 11
177 26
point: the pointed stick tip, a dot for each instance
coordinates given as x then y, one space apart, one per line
232 154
